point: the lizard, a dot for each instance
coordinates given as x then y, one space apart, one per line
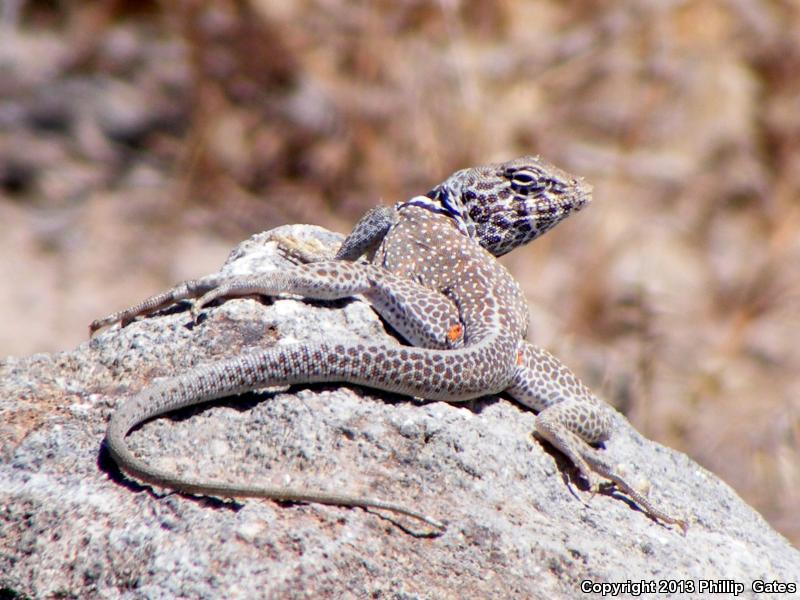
431 273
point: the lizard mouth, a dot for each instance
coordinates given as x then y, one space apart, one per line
583 194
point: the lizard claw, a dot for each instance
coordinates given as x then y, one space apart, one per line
195 310
200 303
594 486
97 325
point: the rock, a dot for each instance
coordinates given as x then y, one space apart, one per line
71 525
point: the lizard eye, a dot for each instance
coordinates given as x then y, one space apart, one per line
523 177
525 181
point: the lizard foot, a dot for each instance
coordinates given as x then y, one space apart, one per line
591 463
183 291
302 251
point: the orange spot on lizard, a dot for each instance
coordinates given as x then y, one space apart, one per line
455 333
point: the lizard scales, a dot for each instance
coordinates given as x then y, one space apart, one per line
433 276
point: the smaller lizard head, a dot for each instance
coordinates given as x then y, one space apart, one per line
505 205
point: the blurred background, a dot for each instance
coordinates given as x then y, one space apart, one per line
140 140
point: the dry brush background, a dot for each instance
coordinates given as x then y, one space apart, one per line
140 140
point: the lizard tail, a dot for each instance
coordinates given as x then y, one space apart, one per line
299 363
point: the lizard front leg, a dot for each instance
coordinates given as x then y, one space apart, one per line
365 238
368 233
572 418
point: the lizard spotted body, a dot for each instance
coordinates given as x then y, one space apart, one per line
433 276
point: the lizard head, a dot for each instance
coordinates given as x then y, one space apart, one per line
506 205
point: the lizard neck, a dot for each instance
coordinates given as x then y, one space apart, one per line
445 206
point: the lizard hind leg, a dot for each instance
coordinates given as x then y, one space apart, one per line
572 419
565 426
423 316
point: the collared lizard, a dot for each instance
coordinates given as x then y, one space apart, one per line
432 275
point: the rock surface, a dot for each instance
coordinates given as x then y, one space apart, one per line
519 527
